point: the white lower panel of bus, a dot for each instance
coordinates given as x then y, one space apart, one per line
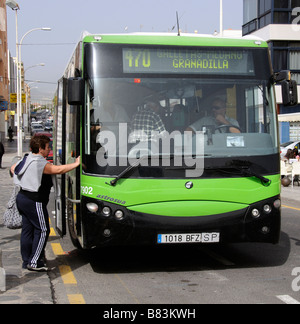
188 238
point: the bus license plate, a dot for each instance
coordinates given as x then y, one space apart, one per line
188 238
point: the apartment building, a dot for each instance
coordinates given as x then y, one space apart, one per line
278 22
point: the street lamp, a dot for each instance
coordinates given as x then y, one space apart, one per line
20 143
14 6
34 29
32 66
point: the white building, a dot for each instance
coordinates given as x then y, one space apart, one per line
278 23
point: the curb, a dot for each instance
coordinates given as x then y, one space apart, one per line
2 275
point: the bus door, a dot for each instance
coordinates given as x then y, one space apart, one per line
59 157
72 179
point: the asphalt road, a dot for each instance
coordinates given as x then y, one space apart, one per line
234 273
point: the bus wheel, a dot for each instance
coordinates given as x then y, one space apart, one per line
72 225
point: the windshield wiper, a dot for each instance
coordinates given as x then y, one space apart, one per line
131 167
244 169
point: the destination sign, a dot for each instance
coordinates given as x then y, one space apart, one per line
188 61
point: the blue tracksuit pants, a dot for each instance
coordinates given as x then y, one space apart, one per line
35 230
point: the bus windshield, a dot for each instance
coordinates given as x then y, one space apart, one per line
146 108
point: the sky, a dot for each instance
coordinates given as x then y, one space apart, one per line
69 18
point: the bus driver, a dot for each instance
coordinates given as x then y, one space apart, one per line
217 119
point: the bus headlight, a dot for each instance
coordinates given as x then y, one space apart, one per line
255 213
92 207
267 209
119 215
277 203
106 211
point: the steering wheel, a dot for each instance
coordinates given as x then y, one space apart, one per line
228 127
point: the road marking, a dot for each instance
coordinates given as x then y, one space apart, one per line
52 232
76 299
288 300
284 206
67 275
57 249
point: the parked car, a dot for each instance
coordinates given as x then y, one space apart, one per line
36 128
288 145
48 126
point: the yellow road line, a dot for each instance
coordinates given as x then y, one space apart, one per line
52 232
57 249
67 275
76 299
291 207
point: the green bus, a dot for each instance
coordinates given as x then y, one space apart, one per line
178 137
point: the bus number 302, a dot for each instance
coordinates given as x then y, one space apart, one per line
85 190
137 57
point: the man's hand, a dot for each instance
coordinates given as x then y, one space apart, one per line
221 120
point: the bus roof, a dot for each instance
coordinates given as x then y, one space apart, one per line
175 40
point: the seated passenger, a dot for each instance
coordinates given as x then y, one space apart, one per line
216 119
147 123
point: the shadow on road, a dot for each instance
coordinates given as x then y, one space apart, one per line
181 258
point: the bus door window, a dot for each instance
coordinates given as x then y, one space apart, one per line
95 127
256 109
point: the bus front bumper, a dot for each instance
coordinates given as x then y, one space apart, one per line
114 225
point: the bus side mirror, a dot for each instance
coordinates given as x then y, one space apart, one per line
289 93
282 76
75 91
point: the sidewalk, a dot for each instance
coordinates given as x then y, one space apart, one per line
22 286
292 194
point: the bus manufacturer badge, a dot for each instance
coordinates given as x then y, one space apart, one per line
189 185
